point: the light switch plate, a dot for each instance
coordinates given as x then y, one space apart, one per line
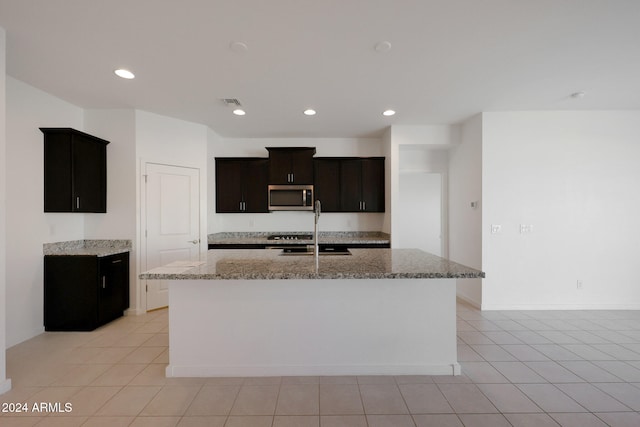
526 228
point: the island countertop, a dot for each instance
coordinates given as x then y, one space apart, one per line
269 264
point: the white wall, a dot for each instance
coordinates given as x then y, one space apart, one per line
28 227
213 140
417 149
574 177
422 199
389 160
5 384
165 140
465 222
117 127
294 221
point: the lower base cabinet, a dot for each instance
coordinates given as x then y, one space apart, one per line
82 293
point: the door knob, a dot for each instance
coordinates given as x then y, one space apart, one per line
193 241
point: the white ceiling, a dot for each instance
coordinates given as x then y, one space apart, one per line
449 59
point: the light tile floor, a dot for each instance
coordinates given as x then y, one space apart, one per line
520 368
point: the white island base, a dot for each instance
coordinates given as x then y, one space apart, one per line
312 327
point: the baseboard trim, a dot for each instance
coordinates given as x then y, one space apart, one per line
469 301
311 370
495 307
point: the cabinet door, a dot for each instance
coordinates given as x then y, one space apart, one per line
229 175
280 168
350 185
70 293
255 193
75 171
302 166
114 275
89 160
327 184
372 185
57 173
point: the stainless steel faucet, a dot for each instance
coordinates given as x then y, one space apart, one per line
316 247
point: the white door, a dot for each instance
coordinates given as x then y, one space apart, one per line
421 211
172 212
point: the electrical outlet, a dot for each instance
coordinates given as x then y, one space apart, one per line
496 228
579 285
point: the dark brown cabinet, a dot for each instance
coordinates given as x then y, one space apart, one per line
241 185
291 165
84 292
75 171
350 184
326 183
362 185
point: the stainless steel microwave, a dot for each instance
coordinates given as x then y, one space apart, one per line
291 197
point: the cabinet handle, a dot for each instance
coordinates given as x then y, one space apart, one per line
116 261
104 282
240 208
77 202
292 178
364 205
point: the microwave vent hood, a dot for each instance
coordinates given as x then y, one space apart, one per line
290 197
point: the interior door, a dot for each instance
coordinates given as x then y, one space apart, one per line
172 222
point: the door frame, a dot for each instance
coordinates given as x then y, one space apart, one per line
142 238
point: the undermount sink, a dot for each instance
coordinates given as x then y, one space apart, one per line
309 251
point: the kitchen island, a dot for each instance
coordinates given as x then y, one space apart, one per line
261 313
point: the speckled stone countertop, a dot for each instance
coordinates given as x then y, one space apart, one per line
327 237
98 248
268 264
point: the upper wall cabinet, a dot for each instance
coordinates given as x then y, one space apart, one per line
326 183
75 171
291 165
241 185
362 185
350 184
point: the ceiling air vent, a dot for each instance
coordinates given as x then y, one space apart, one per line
233 102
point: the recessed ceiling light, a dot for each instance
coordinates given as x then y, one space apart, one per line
388 113
125 74
238 47
383 46
309 112
239 112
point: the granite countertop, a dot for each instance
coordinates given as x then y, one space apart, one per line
324 237
99 248
268 264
